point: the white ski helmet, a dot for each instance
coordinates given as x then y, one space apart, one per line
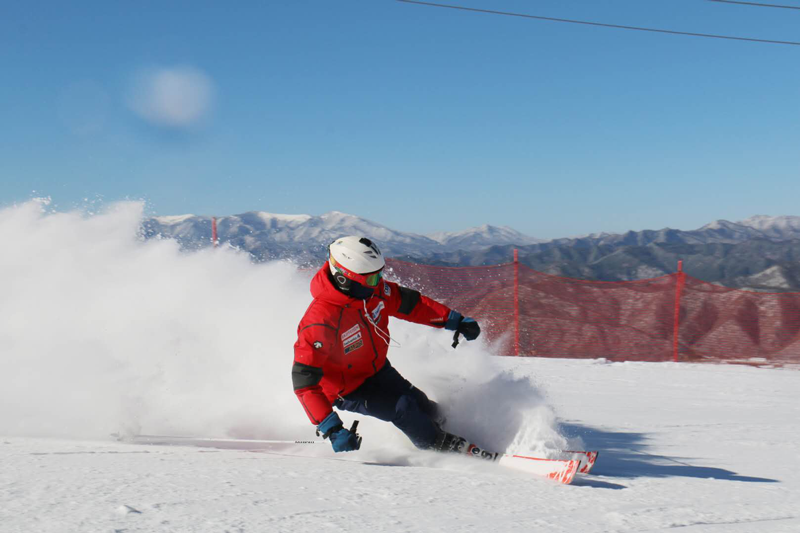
352 257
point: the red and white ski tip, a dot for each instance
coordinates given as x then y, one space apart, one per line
559 470
587 460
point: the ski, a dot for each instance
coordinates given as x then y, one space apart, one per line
562 470
559 470
587 459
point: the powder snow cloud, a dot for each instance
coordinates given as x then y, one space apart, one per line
101 332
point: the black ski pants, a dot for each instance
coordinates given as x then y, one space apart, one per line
390 397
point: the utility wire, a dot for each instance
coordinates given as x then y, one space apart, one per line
587 23
754 4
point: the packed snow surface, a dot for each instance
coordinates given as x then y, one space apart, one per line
103 333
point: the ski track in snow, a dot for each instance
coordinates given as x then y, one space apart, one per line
722 458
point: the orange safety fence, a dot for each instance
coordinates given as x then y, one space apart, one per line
671 318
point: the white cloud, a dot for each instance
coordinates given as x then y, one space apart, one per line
178 97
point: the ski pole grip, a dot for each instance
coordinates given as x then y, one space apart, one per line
455 340
354 427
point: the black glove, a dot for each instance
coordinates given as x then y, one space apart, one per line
469 328
463 324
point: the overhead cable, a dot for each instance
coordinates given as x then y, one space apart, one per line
600 24
778 6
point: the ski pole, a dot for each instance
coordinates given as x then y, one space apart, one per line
173 439
455 340
148 439
353 431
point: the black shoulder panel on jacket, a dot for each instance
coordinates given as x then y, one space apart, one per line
409 299
305 376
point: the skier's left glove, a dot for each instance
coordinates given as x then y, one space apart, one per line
463 325
342 440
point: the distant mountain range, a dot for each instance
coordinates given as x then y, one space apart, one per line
760 253
305 238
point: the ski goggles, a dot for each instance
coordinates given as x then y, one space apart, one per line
368 280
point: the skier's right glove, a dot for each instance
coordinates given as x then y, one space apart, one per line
463 325
342 440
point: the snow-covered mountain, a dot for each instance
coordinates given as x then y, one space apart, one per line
781 228
269 235
482 237
725 231
759 252
777 228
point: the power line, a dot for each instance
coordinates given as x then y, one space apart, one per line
600 24
754 4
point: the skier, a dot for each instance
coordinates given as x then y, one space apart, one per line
342 342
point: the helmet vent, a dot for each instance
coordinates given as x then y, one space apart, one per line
367 242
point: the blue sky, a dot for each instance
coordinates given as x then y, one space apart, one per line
423 119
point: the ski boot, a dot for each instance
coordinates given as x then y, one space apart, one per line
449 443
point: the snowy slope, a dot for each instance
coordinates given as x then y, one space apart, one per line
102 332
702 449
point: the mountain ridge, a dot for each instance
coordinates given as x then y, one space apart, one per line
761 252
275 235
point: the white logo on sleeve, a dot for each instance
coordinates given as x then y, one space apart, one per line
376 313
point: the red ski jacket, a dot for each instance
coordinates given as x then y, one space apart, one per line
342 341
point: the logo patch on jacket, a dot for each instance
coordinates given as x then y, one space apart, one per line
355 345
376 313
350 332
387 290
351 339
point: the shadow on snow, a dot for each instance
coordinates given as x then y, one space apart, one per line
624 455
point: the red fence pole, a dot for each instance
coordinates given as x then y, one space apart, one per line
214 231
516 302
678 291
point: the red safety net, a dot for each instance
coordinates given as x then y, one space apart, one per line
530 313
723 324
